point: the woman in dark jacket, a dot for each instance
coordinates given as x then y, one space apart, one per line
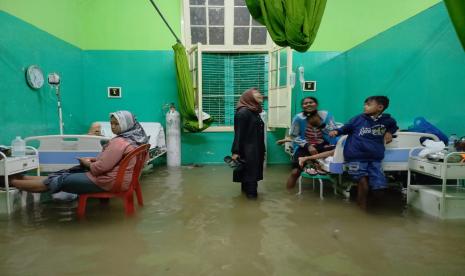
249 142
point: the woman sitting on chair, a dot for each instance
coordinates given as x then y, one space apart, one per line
98 174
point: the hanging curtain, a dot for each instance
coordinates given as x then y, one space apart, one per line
456 9
291 23
186 94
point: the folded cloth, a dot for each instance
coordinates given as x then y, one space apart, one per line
431 147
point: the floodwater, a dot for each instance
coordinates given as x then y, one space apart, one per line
196 222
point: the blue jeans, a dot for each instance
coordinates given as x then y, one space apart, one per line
75 183
372 170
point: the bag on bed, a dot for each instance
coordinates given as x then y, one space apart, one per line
420 124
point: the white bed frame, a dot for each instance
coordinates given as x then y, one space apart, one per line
57 152
396 155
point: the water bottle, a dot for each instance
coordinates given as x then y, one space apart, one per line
451 143
18 147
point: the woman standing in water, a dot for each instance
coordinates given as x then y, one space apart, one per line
249 142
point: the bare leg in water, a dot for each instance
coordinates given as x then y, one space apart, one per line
33 184
362 193
292 179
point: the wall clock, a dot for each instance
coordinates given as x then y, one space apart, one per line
34 77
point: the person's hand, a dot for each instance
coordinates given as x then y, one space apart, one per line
84 162
387 137
302 161
312 150
333 133
235 156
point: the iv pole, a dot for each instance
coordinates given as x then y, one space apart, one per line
54 81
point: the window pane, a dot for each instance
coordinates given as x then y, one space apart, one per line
283 76
274 76
197 2
216 35
216 2
283 57
256 23
241 36
274 60
258 36
216 16
239 2
241 17
199 34
198 16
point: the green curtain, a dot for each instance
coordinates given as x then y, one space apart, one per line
291 23
186 91
456 9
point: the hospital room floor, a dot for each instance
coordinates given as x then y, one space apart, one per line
196 222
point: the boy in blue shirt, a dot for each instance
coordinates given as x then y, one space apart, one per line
364 147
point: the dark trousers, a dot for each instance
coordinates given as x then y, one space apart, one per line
249 187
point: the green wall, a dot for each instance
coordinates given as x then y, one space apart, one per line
411 69
346 24
28 112
419 64
102 24
134 25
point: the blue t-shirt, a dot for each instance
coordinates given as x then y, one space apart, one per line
365 141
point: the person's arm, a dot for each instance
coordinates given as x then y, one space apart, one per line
240 124
303 160
294 133
345 129
283 141
391 129
110 157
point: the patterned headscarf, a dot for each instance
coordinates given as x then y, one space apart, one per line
247 99
130 127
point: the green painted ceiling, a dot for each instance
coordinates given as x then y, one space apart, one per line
134 25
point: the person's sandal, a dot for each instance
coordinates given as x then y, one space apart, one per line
311 171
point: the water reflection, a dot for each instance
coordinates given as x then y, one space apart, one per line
196 221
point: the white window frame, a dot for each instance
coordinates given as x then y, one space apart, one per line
228 32
279 96
280 106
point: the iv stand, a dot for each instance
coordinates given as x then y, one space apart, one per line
60 115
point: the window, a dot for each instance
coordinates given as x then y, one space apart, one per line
223 25
229 53
279 104
225 76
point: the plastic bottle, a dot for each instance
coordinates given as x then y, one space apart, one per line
451 143
18 147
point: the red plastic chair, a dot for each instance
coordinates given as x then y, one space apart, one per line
140 153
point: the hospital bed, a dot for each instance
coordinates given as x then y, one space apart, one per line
57 152
153 130
396 156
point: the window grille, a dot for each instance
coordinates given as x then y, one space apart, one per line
225 77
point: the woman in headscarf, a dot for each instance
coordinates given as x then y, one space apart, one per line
248 147
94 174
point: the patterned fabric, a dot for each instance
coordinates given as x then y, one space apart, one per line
313 135
130 128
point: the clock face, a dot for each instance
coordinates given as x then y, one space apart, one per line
34 77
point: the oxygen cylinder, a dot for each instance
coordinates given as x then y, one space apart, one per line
173 137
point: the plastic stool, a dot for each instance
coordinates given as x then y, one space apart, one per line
320 178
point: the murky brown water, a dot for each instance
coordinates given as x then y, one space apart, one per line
196 222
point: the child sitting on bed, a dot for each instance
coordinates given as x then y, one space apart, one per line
364 148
